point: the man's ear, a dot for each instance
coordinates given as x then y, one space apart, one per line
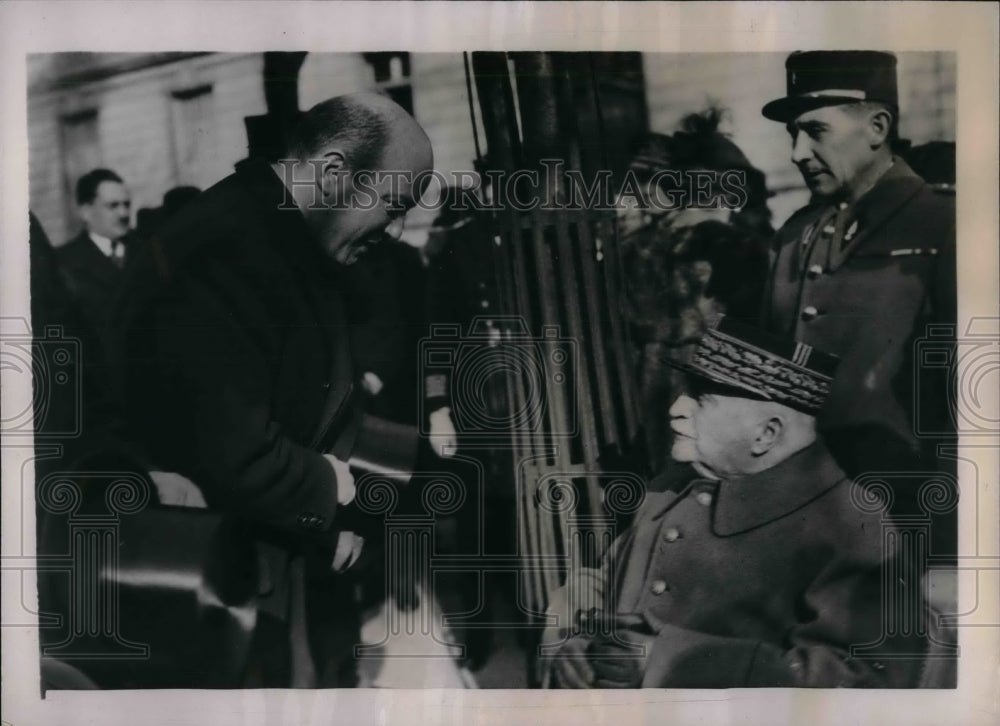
769 434
86 212
879 125
333 173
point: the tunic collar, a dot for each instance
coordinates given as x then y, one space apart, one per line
894 189
746 502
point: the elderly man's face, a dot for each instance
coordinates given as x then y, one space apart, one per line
832 148
375 207
714 431
110 212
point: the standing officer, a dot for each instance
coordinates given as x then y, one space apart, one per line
866 266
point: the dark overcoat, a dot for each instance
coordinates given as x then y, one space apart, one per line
764 580
92 279
236 367
889 278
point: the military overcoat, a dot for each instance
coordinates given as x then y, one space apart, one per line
781 578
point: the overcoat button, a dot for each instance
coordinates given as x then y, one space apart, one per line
704 498
659 587
808 313
815 271
672 534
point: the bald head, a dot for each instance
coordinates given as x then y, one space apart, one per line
360 125
359 162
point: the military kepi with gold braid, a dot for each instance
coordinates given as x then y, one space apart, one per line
736 355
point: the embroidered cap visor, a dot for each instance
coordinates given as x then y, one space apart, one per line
747 361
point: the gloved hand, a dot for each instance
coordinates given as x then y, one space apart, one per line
566 605
443 437
372 383
349 546
618 664
346 490
570 666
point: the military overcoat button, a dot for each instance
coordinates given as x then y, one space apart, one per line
672 534
808 313
815 271
704 498
659 587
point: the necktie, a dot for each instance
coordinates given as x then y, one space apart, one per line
827 236
118 253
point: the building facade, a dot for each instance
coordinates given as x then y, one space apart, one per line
169 119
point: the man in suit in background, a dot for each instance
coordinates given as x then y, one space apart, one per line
91 263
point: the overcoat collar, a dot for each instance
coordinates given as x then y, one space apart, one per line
286 229
290 231
746 502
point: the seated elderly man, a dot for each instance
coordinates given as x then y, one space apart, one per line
761 566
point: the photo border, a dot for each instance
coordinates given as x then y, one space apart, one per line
969 29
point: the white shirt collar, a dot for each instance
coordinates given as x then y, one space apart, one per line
105 245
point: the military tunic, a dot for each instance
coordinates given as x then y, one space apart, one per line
864 282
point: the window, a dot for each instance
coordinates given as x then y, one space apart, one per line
392 76
81 152
192 115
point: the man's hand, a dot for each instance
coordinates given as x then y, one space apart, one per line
619 664
443 437
371 383
345 480
584 590
177 491
570 668
348 551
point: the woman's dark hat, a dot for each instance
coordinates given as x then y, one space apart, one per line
820 78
